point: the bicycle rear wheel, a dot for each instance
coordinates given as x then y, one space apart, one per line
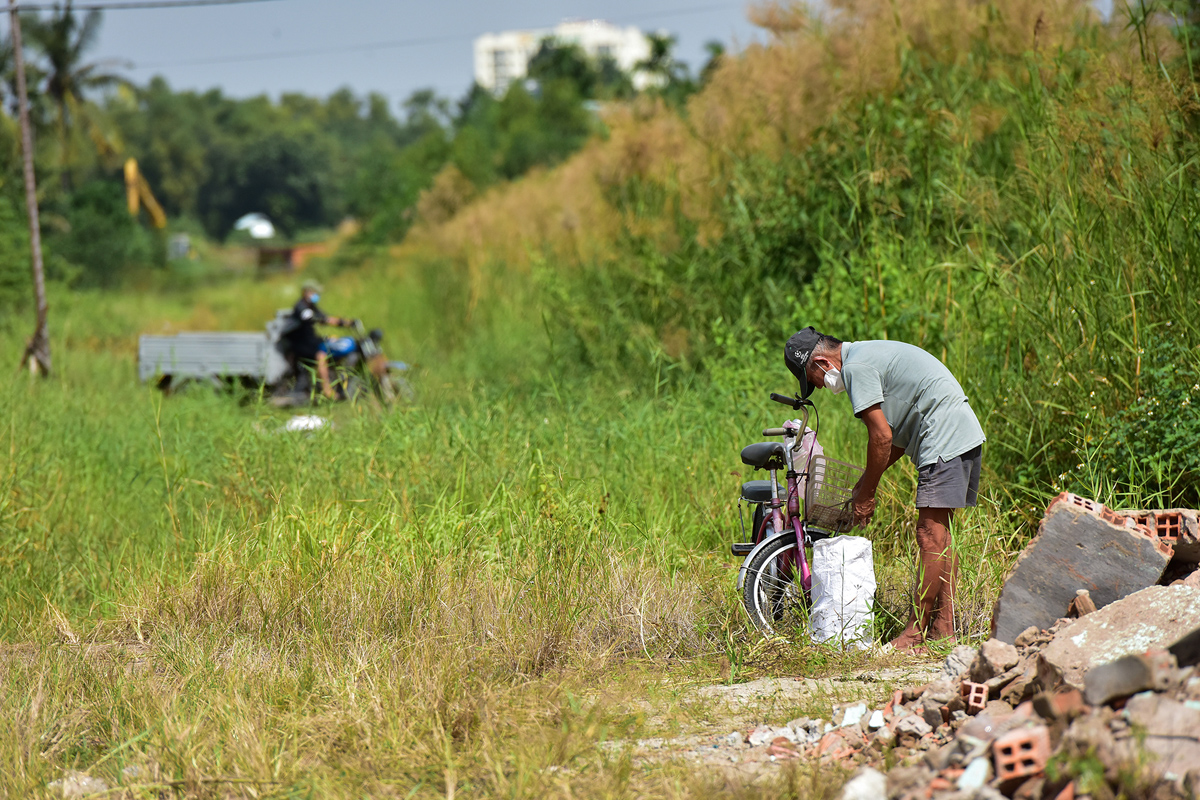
772 594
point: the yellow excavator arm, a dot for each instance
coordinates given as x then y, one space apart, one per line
137 193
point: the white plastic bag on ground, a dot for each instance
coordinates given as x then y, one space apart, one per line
843 591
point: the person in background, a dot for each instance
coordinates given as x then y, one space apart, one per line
911 404
303 337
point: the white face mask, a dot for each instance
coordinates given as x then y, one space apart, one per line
833 380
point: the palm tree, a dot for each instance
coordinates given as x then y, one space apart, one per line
668 76
661 62
62 40
8 83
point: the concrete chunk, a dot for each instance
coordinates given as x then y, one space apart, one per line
1155 617
1080 545
995 658
1128 675
1171 732
958 661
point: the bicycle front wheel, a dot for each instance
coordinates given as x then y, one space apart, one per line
774 599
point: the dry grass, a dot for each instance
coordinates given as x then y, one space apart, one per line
466 597
370 677
769 100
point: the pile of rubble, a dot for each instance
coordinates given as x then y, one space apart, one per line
1090 686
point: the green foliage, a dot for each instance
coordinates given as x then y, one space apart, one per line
217 158
1010 214
590 78
1162 425
281 174
390 181
540 130
59 44
101 239
15 286
304 162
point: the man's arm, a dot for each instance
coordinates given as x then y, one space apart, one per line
880 455
322 318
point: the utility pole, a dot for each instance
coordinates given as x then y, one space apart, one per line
37 349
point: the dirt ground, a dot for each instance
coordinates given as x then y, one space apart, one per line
736 728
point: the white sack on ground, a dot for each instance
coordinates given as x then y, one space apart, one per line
843 591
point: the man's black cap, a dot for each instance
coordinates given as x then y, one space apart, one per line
796 354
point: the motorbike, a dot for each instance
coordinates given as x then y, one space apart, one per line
358 369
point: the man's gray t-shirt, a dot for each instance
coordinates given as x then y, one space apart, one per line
923 403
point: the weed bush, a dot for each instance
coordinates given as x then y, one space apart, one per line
1006 186
418 600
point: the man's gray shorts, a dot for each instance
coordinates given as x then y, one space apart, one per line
950 484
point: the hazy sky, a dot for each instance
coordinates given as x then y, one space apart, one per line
389 46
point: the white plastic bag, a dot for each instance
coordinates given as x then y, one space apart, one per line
843 591
809 448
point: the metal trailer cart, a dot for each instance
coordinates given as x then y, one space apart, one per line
216 358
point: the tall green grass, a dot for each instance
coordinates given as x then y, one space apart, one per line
462 594
1021 206
435 598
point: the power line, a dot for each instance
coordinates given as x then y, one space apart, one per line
683 11
385 45
134 4
284 54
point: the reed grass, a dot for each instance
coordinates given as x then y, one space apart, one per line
414 601
468 593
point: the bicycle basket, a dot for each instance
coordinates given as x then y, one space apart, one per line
830 486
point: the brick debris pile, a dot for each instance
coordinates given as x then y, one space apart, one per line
1089 686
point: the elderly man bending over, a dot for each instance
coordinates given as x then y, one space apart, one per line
910 404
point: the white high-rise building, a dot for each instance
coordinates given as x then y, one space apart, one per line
501 58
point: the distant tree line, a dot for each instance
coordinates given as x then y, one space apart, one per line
305 162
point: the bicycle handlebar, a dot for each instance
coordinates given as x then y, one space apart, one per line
795 402
775 431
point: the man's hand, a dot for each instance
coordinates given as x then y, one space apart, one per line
864 509
862 502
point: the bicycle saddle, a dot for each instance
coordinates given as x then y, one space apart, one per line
759 491
764 455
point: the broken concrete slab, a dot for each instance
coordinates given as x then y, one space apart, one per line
1187 649
911 728
867 784
1155 617
1080 545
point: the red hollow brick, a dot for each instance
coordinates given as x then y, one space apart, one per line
1125 519
1166 525
975 695
1022 753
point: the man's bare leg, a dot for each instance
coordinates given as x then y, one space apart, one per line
936 567
323 375
942 626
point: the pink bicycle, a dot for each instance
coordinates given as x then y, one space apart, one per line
812 503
